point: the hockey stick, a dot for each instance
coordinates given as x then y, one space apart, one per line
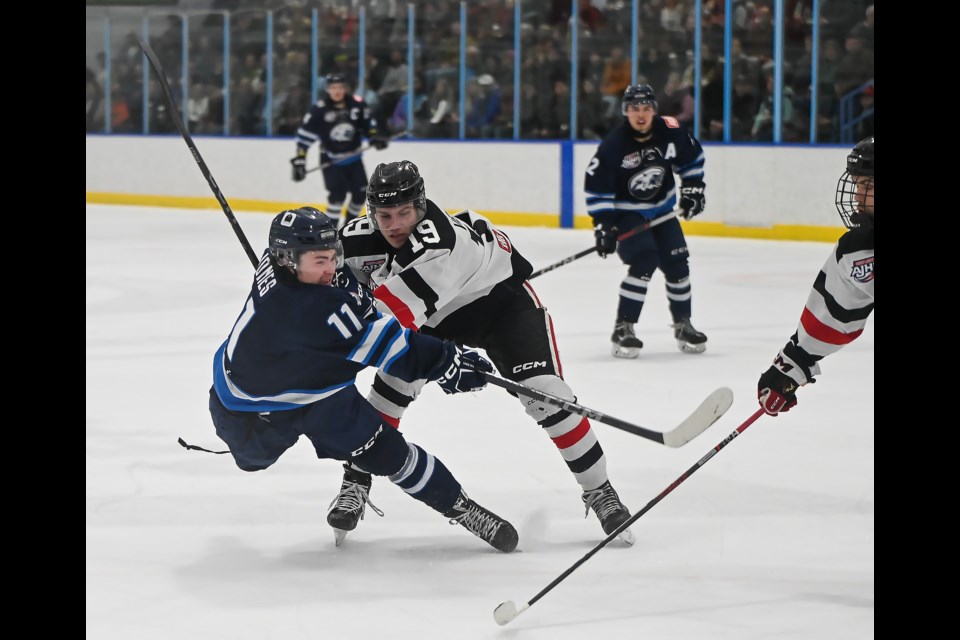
178 120
358 152
709 411
507 611
620 238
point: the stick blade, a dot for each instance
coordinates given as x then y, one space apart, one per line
709 411
507 611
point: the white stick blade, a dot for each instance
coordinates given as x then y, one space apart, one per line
507 611
709 411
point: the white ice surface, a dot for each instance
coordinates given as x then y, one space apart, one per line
772 538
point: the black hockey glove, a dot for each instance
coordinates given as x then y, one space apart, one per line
379 143
606 238
461 370
776 391
692 200
299 163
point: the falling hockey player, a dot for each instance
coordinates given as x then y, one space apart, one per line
289 366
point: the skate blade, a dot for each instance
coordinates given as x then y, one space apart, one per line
686 347
339 535
626 536
624 352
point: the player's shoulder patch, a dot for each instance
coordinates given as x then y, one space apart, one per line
671 122
320 104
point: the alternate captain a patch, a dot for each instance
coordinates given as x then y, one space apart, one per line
862 270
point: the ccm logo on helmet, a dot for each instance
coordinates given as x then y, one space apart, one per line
526 366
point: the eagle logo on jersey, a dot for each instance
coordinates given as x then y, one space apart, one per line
343 132
862 270
631 161
645 184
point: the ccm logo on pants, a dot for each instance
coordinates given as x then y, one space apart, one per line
526 366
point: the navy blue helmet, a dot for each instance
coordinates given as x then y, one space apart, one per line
305 229
857 210
335 78
395 183
638 94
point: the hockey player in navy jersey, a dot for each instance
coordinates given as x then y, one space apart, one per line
339 121
460 278
841 299
289 366
628 182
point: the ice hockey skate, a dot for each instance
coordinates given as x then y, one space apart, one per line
484 524
689 340
610 511
348 507
626 344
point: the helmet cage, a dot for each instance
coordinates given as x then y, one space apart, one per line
858 178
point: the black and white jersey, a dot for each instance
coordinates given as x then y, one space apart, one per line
339 129
630 177
837 308
295 344
449 275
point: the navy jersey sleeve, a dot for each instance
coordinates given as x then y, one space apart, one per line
600 181
294 344
311 127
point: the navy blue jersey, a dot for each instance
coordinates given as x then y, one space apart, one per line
339 130
295 344
626 176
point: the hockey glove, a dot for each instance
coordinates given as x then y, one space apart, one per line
692 200
462 370
299 163
777 391
379 143
606 238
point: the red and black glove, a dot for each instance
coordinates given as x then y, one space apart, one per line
776 391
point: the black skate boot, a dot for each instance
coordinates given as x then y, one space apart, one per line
626 344
348 507
689 340
484 524
610 511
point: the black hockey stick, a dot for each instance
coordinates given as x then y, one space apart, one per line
178 120
507 611
709 411
620 238
358 152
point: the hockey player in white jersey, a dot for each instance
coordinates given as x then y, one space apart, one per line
459 278
841 299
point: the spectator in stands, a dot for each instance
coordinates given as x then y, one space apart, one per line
676 99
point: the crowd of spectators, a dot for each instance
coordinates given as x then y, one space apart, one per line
666 61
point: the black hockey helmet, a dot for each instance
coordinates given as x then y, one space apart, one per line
396 183
305 229
638 94
335 78
857 211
